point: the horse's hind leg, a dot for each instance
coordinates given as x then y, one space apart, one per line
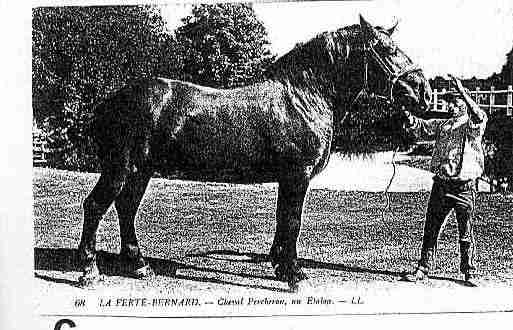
127 204
95 206
291 195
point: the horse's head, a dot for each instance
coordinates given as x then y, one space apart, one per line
389 72
376 79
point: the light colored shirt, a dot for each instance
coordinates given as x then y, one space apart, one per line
458 150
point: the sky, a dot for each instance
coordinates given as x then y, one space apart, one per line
465 38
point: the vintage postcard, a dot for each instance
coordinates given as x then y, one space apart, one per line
226 164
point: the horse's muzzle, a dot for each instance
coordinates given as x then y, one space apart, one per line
415 97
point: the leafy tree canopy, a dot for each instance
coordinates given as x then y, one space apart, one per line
82 53
225 45
507 70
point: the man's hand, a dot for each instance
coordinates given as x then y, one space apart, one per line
458 83
477 115
407 117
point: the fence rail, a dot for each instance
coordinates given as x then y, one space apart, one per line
492 100
39 147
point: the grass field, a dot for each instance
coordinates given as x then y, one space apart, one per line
201 236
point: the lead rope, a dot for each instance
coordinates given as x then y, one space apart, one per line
404 272
394 167
387 206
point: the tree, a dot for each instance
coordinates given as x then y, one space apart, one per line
224 45
499 147
506 74
499 132
80 55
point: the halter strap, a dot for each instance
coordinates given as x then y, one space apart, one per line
366 67
392 76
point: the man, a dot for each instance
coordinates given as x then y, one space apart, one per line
457 161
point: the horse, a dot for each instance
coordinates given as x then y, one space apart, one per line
278 130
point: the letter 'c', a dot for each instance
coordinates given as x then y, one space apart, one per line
60 323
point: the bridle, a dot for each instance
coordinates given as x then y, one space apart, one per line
392 76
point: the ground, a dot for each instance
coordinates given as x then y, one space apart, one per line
356 242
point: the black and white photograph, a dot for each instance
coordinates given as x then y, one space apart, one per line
268 162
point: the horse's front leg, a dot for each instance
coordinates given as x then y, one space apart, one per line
291 195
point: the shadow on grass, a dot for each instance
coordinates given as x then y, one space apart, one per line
454 280
250 257
56 280
110 264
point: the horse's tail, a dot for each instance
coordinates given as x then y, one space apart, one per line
94 127
122 123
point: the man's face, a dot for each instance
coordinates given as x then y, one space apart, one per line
457 108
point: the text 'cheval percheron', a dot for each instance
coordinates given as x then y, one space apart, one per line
279 130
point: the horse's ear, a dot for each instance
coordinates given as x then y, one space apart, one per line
392 29
368 30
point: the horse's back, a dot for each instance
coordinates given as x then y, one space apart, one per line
213 129
179 125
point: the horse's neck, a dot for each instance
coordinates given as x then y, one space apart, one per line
352 82
312 98
324 88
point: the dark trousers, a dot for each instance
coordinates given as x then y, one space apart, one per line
445 196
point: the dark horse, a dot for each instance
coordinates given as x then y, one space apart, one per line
280 130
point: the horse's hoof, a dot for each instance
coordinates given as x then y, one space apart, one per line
90 276
280 273
274 256
301 275
143 272
292 275
294 287
294 280
89 281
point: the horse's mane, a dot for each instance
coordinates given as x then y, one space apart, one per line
318 66
317 54
308 70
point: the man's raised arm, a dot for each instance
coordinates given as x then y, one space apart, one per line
476 114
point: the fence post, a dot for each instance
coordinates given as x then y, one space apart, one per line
477 94
492 100
435 99
509 101
444 105
38 146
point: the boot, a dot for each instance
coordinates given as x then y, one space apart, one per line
422 270
427 260
466 262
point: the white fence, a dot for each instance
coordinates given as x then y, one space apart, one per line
39 147
491 100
